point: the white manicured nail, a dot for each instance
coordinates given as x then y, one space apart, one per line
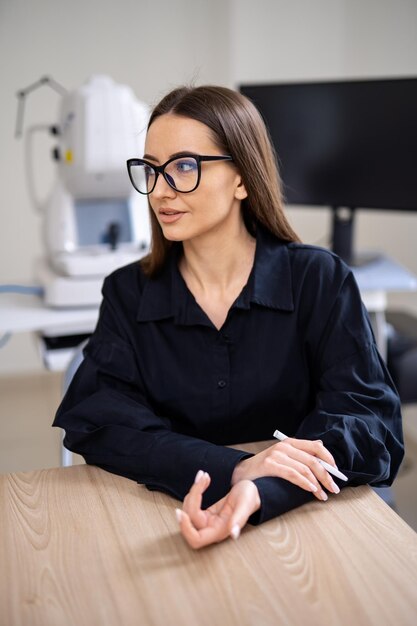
178 514
235 532
198 476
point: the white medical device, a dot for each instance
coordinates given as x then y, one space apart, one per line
94 221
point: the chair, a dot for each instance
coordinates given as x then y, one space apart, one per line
74 364
402 365
402 354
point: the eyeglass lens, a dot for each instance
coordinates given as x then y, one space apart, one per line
181 174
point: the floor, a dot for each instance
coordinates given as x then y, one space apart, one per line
27 441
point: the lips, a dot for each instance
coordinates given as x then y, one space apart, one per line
168 212
168 216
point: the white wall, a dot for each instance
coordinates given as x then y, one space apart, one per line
153 46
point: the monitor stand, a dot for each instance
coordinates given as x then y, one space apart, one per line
343 219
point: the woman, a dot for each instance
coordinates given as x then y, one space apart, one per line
229 329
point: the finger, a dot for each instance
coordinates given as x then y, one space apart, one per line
199 538
192 501
315 447
298 474
315 472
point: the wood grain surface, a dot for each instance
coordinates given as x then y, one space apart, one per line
82 546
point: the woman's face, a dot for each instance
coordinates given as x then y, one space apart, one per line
214 206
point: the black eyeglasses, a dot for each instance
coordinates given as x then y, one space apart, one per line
182 173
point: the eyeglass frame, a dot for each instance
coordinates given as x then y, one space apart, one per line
160 169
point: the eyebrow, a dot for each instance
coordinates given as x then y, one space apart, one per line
175 154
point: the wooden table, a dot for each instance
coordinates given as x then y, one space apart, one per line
80 546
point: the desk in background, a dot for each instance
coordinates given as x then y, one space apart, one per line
81 546
375 280
23 313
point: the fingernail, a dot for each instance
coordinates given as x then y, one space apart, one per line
178 514
235 532
335 487
198 476
324 496
313 487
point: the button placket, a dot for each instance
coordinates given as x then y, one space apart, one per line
221 376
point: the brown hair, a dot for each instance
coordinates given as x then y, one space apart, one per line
238 129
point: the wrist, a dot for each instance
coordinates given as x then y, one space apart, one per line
237 474
257 499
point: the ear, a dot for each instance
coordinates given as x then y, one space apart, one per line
240 191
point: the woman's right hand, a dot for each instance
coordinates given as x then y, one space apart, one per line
295 460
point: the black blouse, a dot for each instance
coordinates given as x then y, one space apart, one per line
161 391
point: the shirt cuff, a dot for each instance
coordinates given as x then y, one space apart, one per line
277 496
220 463
173 468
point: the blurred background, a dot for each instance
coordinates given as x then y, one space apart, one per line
153 47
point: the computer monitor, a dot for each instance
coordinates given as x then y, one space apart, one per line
344 144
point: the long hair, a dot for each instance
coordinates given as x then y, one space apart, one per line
237 129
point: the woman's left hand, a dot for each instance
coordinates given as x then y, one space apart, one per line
223 519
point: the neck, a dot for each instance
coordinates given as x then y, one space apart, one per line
218 260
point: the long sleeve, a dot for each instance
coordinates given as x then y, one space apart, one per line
162 392
110 422
357 410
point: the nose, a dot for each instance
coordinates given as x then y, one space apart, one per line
162 189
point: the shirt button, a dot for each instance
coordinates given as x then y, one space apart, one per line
221 384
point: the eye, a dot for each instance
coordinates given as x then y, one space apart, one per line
149 171
186 166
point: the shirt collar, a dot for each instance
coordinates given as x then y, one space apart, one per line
269 285
272 276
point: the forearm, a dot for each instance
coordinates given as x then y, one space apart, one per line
364 448
142 447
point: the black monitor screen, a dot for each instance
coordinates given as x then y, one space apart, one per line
344 144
